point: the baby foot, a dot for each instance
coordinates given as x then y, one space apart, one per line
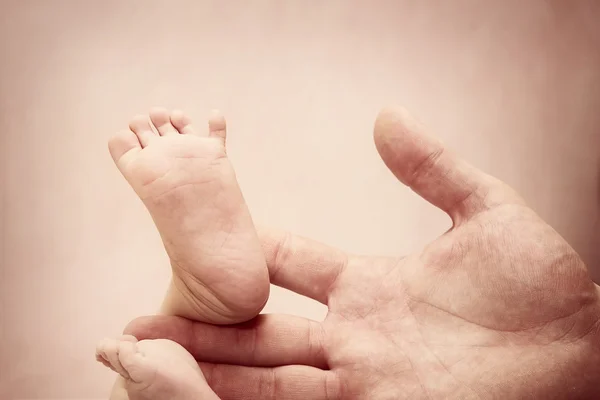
189 187
154 369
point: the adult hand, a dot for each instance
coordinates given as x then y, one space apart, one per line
500 306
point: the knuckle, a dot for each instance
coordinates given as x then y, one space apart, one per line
425 166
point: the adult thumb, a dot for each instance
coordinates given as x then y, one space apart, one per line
423 163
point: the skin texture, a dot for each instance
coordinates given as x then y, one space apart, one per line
498 307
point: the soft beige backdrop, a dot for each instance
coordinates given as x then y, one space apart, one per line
514 86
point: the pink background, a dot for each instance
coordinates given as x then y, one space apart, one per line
514 86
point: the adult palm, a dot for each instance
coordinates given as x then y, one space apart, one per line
500 306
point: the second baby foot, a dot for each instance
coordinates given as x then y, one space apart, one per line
153 370
190 189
